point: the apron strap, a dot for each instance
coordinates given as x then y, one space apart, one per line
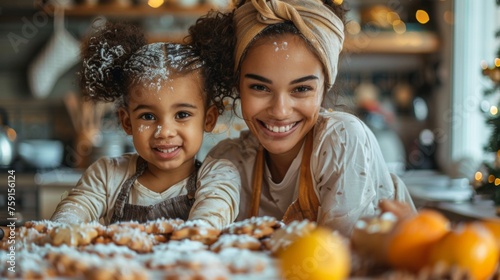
258 176
308 200
122 198
191 183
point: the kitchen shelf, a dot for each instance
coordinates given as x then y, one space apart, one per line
113 10
410 43
372 42
386 42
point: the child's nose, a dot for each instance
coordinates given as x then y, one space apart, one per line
164 131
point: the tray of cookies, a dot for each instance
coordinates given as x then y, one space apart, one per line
421 246
160 249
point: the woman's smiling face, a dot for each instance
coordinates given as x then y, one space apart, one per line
281 88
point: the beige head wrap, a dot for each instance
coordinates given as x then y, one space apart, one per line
319 25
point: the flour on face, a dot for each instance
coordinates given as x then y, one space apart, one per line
281 46
158 131
143 128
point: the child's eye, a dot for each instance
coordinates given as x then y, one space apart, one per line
182 115
147 117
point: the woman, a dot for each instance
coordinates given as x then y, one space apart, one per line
298 161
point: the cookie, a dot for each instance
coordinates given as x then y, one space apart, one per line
196 230
134 238
240 241
258 227
162 226
73 235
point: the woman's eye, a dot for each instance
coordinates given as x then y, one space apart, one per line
182 115
258 87
303 89
148 117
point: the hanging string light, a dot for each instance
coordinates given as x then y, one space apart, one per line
492 72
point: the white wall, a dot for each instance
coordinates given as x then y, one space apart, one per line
463 125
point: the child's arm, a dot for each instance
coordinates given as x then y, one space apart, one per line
87 201
218 195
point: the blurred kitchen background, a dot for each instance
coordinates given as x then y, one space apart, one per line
411 70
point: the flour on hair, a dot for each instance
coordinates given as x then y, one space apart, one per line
153 64
98 67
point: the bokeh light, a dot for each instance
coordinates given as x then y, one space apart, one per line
493 110
392 17
478 176
155 3
422 16
399 26
353 27
448 17
491 179
484 65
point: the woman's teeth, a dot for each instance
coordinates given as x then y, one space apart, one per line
168 150
279 129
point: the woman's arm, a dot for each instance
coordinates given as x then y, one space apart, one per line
351 174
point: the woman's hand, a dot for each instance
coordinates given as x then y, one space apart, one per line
400 209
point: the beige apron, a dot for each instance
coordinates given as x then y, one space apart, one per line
307 204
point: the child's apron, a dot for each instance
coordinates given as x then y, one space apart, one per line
175 207
307 204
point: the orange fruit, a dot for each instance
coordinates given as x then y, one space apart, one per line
493 225
409 243
471 247
321 254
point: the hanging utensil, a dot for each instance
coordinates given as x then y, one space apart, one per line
59 55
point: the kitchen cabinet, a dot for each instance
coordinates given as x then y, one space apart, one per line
53 186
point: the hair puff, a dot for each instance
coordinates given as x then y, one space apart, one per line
213 36
104 53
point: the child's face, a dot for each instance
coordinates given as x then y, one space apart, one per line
281 88
167 125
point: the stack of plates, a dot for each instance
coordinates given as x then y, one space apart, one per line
433 186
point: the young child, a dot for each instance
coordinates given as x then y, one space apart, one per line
166 105
298 161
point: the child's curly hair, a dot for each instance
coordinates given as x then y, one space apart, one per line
104 54
116 57
214 36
